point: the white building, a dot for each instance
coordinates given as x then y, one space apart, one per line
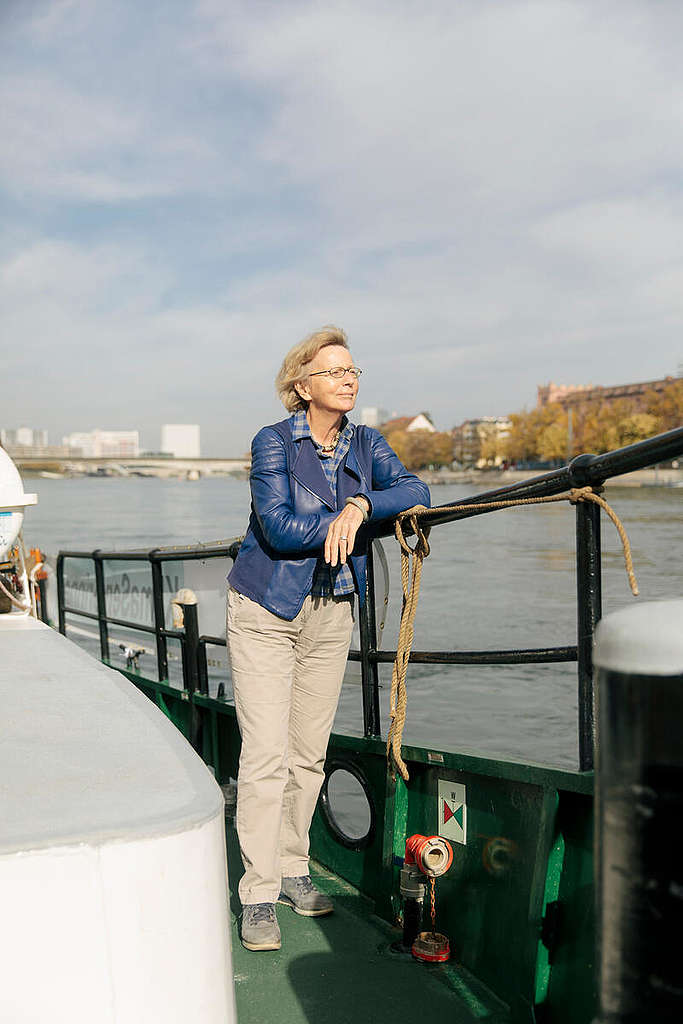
25 437
373 416
98 444
409 423
480 442
181 440
421 422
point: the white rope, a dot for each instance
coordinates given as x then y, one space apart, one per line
15 602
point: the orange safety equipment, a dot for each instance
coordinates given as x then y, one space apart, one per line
38 559
432 855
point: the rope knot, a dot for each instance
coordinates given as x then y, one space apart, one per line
577 494
421 548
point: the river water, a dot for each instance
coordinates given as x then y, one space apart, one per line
502 580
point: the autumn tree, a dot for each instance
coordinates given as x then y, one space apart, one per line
419 449
493 448
666 405
544 433
539 434
615 424
553 439
520 444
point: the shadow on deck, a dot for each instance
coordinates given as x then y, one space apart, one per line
340 969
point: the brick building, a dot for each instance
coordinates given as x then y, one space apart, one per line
570 396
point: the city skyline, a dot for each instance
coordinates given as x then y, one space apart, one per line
183 440
484 196
179 440
148 445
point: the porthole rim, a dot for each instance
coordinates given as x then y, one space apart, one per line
341 764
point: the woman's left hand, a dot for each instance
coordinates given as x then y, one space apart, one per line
341 534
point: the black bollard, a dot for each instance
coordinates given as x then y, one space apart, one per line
639 809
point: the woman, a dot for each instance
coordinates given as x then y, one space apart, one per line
315 479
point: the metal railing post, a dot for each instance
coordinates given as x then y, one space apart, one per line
191 675
61 614
203 667
190 648
101 605
42 591
589 613
368 646
159 623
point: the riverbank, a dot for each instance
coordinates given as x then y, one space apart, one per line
489 480
188 469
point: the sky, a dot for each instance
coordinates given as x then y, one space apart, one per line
485 195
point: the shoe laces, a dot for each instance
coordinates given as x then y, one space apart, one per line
304 885
261 912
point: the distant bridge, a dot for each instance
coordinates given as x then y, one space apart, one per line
142 465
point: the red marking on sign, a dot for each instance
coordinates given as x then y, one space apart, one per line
447 812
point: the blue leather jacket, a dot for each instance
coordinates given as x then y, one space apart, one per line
292 507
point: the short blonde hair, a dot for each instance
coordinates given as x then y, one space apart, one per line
294 364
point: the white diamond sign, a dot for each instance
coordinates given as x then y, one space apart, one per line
452 811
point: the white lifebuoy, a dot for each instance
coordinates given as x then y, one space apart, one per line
12 503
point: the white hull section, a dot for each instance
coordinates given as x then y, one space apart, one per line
125 933
113 879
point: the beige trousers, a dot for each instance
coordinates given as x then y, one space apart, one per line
286 678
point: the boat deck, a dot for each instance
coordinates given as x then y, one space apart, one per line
340 969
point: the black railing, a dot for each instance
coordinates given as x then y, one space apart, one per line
155 559
585 470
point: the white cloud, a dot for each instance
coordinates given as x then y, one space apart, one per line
485 196
426 109
87 147
633 236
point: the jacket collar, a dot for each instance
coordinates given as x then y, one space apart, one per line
353 466
308 471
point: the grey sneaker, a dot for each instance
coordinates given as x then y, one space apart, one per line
260 929
301 895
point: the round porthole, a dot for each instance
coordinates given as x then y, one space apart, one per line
347 805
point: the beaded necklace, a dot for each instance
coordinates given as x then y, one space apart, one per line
327 449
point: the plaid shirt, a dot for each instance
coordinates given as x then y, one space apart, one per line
328 579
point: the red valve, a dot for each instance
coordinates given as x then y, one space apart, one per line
432 855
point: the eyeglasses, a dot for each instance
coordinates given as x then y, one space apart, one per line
337 372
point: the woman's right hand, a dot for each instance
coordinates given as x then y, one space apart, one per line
341 535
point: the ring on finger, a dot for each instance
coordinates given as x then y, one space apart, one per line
343 538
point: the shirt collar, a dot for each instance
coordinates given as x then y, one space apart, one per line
301 429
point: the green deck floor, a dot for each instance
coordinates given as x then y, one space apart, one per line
340 969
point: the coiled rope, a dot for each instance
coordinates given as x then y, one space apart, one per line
410 581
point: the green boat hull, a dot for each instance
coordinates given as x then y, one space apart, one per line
517 903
